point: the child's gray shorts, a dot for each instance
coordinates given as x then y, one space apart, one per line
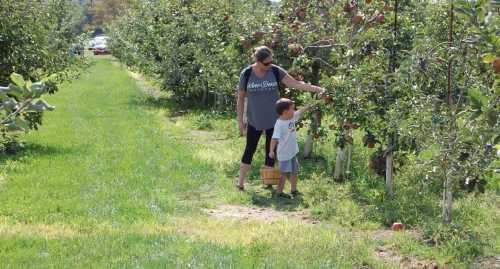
290 166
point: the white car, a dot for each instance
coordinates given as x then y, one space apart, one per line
100 45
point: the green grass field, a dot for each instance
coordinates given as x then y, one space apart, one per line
116 178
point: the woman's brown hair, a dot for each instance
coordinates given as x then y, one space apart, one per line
262 53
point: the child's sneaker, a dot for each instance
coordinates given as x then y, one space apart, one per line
296 193
284 195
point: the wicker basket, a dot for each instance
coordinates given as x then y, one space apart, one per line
269 176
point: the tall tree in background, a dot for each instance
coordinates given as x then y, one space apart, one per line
101 12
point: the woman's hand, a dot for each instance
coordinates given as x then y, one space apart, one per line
320 91
271 154
290 82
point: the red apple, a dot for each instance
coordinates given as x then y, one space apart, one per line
381 18
245 43
349 6
300 12
371 145
258 34
496 65
296 49
296 26
371 165
348 124
397 226
328 99
356 19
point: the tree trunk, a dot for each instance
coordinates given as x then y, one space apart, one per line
315 119
308 145
447 200
349 153
204 97
447 192
389 161
338 174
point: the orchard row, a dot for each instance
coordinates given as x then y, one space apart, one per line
35 41
420 79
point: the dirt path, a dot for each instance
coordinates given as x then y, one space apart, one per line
262 214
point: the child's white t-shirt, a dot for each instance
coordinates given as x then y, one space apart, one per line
285 132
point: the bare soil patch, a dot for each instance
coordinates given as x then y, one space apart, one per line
263 214
390 254
488 263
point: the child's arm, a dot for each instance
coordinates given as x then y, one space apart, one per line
272 149
301 111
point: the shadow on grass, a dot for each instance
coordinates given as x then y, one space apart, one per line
412 203
155 102
267 198
258 195
31 149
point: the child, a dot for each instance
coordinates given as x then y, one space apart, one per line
285 136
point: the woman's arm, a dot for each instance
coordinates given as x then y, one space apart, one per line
240 108
290 82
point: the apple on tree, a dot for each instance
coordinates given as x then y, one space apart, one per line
496 65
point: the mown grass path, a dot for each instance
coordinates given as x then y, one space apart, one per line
104 184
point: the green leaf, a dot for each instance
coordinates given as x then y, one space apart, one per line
22 124
9 105
15 91
476 114
17 79
492 117
497 142
488 58
478 98
13 127
44 105
37 89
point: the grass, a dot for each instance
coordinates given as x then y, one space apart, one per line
117 178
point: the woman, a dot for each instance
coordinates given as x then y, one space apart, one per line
260 82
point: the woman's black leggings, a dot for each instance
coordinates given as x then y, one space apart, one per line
253 137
